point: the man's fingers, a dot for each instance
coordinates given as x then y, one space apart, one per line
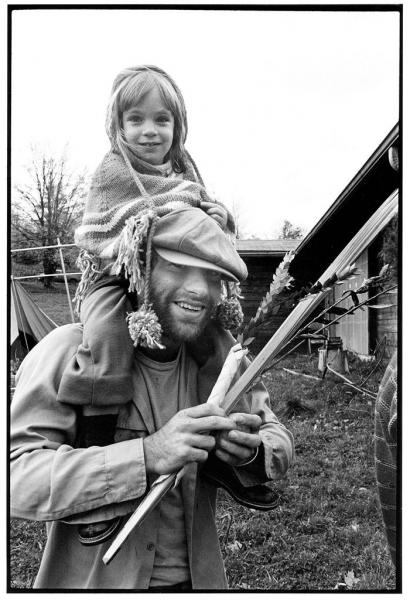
205 442
212 423
251 440
238 456
204 410
197 455
226 457
245 420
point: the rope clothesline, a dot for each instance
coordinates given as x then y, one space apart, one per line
63 273
42 248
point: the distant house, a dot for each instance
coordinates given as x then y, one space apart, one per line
262 257
378 179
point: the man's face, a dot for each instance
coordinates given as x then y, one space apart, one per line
183 298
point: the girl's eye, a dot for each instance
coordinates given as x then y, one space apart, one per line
163 119
134 119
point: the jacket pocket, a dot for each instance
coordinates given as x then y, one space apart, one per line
130 424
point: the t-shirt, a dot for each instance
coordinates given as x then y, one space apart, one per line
171 386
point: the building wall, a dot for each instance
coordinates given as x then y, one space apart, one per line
363 330
261 270
383 321
354 328
386 323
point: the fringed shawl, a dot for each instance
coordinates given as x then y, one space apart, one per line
114 197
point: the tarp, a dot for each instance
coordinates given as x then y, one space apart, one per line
27 320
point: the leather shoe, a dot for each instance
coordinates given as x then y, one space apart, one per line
91 534
220 474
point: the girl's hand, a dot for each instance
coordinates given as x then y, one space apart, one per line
239 444
217 212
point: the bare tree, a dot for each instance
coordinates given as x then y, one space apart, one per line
49 205
290 232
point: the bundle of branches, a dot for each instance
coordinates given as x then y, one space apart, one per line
340 269
270 303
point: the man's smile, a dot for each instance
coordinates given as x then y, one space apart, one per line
190 307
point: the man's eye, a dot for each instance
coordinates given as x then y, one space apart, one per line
214 275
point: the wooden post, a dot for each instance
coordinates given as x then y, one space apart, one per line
321 367
67 289
336 356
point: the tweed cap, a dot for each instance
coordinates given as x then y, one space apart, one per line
188 236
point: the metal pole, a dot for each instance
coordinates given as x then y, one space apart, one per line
65 281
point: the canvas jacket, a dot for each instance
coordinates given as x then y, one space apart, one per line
53 481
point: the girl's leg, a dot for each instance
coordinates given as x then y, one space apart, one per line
99 379
100 374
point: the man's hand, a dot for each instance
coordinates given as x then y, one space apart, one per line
239 444
180 441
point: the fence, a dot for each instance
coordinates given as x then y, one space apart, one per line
63 273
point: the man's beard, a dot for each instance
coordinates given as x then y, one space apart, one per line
179 330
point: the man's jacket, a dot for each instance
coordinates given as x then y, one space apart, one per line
53 481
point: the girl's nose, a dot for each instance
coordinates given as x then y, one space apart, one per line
149 128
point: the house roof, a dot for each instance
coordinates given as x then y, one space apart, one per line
257 247
363 195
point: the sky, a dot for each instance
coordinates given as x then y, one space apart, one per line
283 107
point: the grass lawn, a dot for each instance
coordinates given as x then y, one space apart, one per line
327 532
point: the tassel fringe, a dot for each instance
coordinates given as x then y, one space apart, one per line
87 264
144 327
229 312
132 240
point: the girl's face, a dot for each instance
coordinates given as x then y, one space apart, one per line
149 128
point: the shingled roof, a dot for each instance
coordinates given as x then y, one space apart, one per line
256 247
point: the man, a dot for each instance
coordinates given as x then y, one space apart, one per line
166 426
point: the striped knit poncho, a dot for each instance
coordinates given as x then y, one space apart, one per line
115 196
120 203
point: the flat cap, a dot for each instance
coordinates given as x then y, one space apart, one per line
188 236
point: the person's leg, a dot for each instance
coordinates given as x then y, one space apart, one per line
99 374
99 378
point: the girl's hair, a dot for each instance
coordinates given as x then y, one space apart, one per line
128 88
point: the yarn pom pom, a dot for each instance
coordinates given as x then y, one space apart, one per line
229 313
144 327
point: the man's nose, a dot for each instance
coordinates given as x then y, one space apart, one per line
196 282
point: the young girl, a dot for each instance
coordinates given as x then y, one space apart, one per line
146 170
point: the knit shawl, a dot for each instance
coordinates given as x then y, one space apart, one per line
114 197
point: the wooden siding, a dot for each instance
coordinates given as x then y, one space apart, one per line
261 270
354 329
386 322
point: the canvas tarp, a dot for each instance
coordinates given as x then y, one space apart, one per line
27 320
